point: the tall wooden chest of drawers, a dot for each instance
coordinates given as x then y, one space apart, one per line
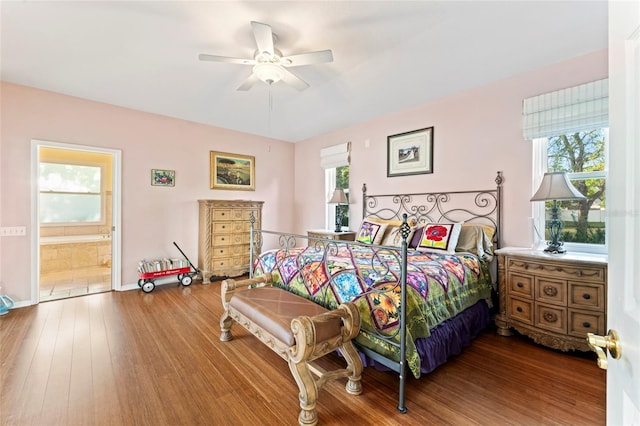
554 299
223 238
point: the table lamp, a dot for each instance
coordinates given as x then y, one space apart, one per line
338 198
556 186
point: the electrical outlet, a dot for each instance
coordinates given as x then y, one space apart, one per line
13 231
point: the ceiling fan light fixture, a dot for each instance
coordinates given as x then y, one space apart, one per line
268 72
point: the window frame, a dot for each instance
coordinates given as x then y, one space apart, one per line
102 193
540 160
330 180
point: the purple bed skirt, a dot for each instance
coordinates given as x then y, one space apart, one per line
447 339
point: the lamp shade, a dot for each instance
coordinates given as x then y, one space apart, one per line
556 186
338 197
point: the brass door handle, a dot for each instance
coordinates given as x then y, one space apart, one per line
601 344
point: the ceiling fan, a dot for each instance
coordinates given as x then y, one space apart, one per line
268 63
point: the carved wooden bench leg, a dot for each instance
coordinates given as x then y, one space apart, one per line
354 364
308 392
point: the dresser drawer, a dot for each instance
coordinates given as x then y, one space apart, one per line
521 310
583 322
220 214
586 296
222 227
220 252
587 272
222 240
551 291
521 285
553 318
220 264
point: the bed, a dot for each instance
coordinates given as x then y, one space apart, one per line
420 272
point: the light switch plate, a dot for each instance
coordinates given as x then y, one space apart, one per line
13 231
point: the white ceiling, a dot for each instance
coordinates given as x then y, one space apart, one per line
388 55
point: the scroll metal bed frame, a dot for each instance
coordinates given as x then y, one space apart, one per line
482 207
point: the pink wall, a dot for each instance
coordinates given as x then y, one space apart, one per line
476 133
152 217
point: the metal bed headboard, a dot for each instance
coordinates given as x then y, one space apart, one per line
483 207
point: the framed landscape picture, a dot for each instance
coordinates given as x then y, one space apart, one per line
410 153
232 171
161 177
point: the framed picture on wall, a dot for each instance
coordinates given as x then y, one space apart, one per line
232 171
410 153
161 177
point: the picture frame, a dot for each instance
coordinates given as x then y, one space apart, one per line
410 153
232 171
162 177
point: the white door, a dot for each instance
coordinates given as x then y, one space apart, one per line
623 375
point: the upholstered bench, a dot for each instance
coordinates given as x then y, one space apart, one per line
298 330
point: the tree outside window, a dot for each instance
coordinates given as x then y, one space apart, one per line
342 182
583 156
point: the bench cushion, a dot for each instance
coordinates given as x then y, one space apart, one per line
273 308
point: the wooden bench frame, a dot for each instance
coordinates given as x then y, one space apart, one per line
308 376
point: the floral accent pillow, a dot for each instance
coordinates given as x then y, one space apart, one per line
393 236
371 232
440 237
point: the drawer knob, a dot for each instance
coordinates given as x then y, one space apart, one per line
519 309
550 317
586 324
520 285
586 296
550 291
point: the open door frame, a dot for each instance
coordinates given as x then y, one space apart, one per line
116 206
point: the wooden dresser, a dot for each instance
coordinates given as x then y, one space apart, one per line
555 299
223 237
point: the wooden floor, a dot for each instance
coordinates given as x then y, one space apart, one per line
132 358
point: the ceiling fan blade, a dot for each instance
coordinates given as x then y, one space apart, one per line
264 37
293 80
249 82
213 58
307 58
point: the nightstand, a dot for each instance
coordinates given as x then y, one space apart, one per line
555 299
331 235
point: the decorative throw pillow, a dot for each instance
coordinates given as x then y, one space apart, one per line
414 242
371 232
393 237
441 237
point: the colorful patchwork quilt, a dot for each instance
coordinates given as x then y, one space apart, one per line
439 286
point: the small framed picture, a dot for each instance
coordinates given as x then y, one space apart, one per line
161 177
410 153
232 171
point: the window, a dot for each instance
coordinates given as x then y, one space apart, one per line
583 155
337 178
70 194
335 161
570 132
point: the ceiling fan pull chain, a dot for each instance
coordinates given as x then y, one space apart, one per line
270 108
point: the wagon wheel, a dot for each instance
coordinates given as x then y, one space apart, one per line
180 277
140 282
148 286
186 280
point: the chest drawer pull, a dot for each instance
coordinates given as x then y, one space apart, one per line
550 317
520 285
550 291
519 309
586 324
586 296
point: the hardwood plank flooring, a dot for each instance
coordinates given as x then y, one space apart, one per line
132 358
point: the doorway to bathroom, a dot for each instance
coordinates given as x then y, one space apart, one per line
75 220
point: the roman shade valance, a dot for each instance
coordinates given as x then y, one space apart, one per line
567 110
335 156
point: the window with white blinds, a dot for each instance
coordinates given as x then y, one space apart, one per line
567 110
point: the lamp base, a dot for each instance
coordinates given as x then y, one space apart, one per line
555 248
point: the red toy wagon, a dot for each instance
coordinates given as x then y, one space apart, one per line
149 271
